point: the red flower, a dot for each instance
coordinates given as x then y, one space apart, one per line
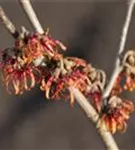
116 115
19 78
34 46
117 89
130 83
96 99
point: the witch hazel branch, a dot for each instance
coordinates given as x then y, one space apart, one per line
37 58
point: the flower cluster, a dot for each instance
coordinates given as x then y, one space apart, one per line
72 71
117 111
126 79
18 79
129 66
20 64
36 59
115 114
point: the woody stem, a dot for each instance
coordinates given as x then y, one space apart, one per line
8 24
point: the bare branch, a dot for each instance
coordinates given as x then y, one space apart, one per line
118 67
126 26
26 5
8 24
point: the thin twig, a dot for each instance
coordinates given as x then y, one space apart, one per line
8 24
82 101
31 15
118 67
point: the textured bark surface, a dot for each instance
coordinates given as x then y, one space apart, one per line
91 30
